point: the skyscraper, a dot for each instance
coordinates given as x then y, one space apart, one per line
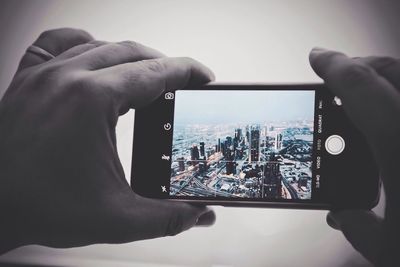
202 150
181 162
223 149
228 141
272 185
254 143
238 134
265 130
230 163
278 141
194 154
202 165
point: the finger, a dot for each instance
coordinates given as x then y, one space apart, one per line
387 67
362 91
362 228
80 49
115 53
151 218
206 219
138 84
55 42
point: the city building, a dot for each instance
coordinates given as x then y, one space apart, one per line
254 143
194 154
303 181
228 141
238 134
202 150
278 141
223 149
202 165
181 162
230 163
272 185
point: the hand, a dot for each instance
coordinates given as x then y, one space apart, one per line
61 182
370 92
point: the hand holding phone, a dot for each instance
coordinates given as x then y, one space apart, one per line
370 90
61 181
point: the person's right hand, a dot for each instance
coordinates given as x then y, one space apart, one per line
370 92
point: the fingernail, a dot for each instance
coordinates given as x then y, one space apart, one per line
206 219
211 75
318 49
330 219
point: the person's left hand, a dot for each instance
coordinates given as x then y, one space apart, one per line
61 181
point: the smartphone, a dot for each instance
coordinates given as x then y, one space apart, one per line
247 145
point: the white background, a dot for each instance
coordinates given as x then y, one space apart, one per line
262 41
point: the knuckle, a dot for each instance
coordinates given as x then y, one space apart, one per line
69 34
87 89
383 63
154 65
78 81
81 85
48 33
49 73
130 45
112 48
80 35
356 73
78 85
93 99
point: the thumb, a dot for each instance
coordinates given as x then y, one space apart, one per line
147 218
362 228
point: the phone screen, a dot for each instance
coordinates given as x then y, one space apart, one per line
256 145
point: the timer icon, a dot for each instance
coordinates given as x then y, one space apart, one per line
167 126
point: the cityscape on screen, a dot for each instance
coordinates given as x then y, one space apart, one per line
236 144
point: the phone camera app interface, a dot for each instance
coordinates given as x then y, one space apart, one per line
243 144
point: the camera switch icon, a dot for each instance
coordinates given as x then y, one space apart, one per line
167 126
169 96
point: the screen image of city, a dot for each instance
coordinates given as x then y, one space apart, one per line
243 144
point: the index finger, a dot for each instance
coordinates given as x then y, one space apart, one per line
138 83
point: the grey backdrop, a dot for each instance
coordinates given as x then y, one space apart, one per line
264 41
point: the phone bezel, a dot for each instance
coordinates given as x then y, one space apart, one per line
141 114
